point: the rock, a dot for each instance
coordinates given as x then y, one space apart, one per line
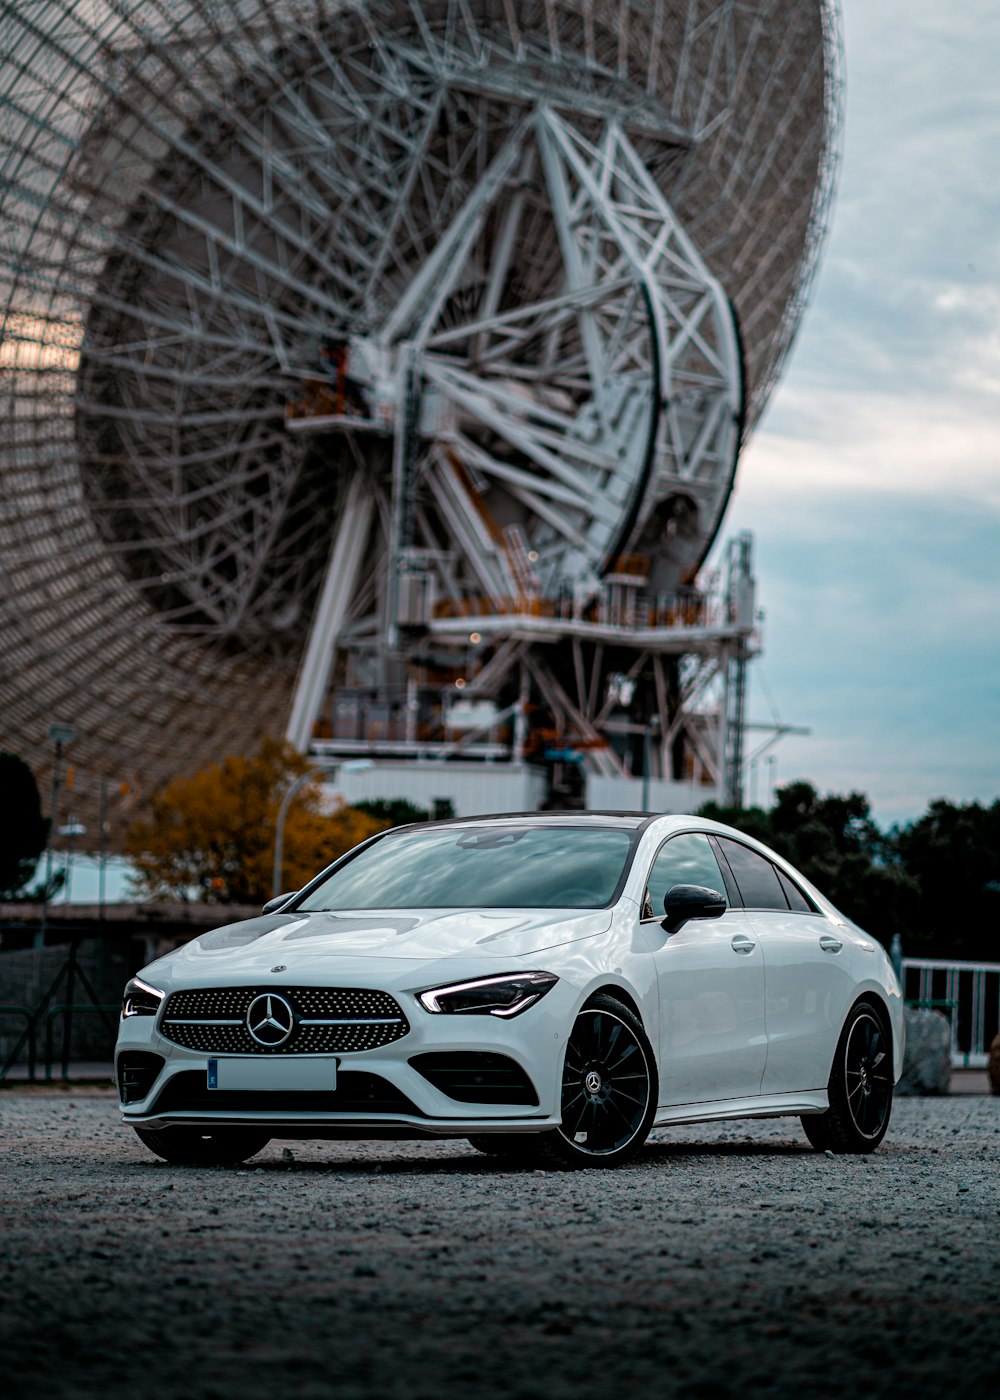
994 1065
927 1060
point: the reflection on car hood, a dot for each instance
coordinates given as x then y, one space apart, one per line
306 943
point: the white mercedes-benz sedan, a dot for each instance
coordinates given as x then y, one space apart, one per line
553 984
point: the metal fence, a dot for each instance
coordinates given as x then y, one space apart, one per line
967 993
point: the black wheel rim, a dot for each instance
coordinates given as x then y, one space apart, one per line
868 1075
605 1087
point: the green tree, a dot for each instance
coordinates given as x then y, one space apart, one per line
754 821
400 811
23 829
393 811
836 844
212 834
935 881
952 856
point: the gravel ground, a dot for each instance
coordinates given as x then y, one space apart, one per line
728 1260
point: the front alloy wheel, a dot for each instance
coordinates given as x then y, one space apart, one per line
609 1088
860 1087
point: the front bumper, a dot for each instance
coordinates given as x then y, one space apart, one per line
380 1092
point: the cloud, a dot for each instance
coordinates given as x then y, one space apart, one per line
882 626
873 483
916 225
856 759
844 441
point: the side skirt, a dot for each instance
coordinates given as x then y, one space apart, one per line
760 1106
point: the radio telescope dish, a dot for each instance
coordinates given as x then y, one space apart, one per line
328 326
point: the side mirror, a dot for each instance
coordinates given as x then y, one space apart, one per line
273 905
683 902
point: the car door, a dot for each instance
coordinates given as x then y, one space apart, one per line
710 976
808 972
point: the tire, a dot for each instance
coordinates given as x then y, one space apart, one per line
817 1130
197 1147
860 1087
509 1145
609 1089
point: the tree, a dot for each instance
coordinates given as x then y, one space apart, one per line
952 856
23 829
211 835
393 811
400 811
836 844
754 821
936 881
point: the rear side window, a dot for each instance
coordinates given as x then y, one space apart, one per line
757 878
796 899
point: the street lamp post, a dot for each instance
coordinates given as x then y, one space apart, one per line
352 765
279 828
652 727
71 831
61 735
102 849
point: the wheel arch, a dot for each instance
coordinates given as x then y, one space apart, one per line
614 989
564 1147
876 999
891 1011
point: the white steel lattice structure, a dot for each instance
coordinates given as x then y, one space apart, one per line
336 334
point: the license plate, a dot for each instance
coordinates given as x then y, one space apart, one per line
277 1075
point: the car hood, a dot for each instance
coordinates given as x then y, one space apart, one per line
322 943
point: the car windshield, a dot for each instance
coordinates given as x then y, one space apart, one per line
482 867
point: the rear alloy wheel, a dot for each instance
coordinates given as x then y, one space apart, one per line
609 1089
860 1087
198 1147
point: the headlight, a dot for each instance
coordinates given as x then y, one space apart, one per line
494 996
140 999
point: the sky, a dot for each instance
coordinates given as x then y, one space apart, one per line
872 483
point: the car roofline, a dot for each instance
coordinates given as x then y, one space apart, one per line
641 820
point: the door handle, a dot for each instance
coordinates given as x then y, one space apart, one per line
830 945
742 944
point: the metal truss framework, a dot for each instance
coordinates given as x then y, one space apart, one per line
327 328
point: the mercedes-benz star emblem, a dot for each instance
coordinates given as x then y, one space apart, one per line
270 1020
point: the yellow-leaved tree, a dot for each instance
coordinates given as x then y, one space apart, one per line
211 836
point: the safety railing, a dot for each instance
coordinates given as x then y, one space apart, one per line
64 1010
967 993
52 1015
29 1038
77 993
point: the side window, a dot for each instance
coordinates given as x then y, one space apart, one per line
683 860
796 899
756 877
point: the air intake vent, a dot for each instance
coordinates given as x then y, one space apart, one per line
137 1071
476 1077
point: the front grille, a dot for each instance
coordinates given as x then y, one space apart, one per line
473 1076
137 1069
356 1093
213 1020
